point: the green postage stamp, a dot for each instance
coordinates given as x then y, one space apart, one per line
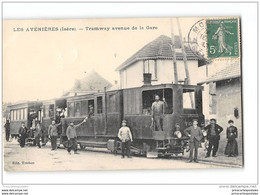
223 38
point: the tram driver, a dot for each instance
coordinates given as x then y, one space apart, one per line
158 111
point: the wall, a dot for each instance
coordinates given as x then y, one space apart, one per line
133 75
228 98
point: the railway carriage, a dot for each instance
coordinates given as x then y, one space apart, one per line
27 112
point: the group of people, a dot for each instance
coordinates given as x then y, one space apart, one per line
212 131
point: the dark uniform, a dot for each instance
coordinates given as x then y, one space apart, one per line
7 130
22 133
37 135
53 133
213 135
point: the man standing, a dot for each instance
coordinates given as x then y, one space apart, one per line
7 130
195 134
53 133
72 136
125 136
213 135
22 134
158 109
38 134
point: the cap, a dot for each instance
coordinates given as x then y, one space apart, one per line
230 121
194 120
213 119
123 121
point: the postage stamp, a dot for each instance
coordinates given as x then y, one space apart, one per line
222 38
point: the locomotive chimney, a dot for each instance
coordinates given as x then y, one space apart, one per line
147 78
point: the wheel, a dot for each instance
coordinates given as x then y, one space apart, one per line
82 147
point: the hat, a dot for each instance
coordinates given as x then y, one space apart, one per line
213 119
230 121
123 121
194 120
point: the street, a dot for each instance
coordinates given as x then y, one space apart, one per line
31 158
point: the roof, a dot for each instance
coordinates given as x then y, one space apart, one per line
91 82
160 48
229 72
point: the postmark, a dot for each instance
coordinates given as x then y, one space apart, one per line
197 38
222 38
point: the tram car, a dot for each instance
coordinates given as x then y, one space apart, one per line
54 109
134 105
27 112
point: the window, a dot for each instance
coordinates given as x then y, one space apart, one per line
99 105
150 66
51 110
22 114
12 115
112 103
84 108
71 109
46 111
91 103
148 97
77 109
25 114
188 99
15 115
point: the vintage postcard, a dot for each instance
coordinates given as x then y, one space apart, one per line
122 94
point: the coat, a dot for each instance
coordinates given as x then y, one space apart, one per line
194 133
23 131
218 130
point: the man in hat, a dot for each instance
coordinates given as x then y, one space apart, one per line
7 130
53 133
72 136
195 134
125 136
158 110
22 134
213 135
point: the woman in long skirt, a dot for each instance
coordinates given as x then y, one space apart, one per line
231 148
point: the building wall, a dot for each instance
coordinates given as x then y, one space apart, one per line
132 76
228 98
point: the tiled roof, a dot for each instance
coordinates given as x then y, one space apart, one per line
91 82
160 48
231 71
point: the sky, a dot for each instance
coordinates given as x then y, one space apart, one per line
42 65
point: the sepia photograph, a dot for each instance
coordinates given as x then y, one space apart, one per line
122 94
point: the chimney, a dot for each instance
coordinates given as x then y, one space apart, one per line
147 78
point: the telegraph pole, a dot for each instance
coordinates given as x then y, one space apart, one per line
174 54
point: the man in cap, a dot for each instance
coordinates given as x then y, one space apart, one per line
125 136
53 133
72 136
158 109
195 134
7 130
213 135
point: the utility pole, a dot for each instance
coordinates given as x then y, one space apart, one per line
185 61
174 54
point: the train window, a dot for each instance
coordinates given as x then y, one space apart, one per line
99 105
188 99
77 109
148 98
91 103
14 115
150 66
71 109
112 103
22 114
84 108
46 111
25 114
51 110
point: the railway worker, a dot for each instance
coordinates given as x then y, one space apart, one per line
158 109
38 134
22 134
7 130
125 136
53 133
195 134
72 136
213 135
